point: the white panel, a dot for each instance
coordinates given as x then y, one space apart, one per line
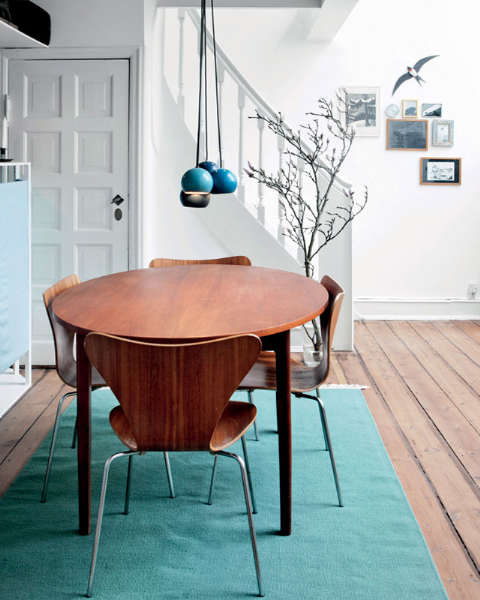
41 325
43 151
93 260
93 209
43 96
46 208
93 96
93 152
45 264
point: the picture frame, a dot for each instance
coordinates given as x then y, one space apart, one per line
443 133
363 110
440 171
410 109
407 134
432 110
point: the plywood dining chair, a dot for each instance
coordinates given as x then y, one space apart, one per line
243 261
176 398
306 378
66 366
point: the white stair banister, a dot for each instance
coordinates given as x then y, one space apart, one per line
181 47
221 81
261 187
241 163
281 209
301 169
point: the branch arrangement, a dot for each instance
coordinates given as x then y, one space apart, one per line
313 218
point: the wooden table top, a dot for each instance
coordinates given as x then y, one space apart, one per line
191 303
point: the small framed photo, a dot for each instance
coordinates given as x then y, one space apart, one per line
431 110
410 109
440 171
363 110
442 133
407 134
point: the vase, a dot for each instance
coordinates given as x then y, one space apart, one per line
311 357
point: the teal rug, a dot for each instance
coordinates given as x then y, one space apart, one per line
372 549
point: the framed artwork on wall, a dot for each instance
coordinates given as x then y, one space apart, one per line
440 171
363 105
442 133
410 109
431 110
407 134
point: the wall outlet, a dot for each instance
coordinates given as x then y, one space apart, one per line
472 290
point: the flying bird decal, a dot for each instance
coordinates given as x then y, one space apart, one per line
413 72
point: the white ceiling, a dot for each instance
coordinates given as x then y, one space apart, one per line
247 3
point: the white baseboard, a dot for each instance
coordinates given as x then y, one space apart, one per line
386 309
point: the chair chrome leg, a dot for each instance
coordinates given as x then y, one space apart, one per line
127 491
169 475
100 516
322 422
75 433
246 490
329 444
210 495
52 445
247 466
255 427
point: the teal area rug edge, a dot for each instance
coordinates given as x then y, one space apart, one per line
370 549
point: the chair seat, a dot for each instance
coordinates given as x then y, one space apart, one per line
234 422
263 374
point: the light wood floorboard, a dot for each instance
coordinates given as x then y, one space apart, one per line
423 391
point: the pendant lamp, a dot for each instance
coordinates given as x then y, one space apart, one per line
206 177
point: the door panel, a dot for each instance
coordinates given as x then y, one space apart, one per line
69 118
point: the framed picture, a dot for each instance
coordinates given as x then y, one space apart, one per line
410 109
363 110
431 110
407 134
441 171
442 133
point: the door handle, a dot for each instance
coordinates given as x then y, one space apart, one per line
117 200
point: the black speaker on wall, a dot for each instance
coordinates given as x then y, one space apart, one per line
31 20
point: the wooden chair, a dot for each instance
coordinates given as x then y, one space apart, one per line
174 262
176 398
66 366
305 378
228 260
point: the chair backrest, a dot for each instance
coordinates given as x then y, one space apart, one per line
328 322
173 395
228 260
62 338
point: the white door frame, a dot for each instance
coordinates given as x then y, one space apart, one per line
135 56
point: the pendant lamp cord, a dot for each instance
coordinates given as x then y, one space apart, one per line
216 88
202 33
206 81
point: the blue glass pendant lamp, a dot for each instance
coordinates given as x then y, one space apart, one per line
207 177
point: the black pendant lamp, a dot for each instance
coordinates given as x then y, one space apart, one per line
206 177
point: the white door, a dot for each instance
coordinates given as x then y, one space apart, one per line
69 118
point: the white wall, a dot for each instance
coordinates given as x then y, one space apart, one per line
96 23
412 241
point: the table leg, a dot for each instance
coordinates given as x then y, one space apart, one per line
284 422
84 375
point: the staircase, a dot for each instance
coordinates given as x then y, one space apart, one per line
252 220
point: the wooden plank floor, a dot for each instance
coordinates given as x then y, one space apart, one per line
424 394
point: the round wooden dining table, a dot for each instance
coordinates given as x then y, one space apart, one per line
184 304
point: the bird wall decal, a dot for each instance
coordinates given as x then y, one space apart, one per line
412 72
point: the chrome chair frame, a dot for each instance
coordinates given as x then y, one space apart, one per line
246 481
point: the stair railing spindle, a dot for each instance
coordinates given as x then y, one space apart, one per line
281 208
181 48
241 180
261 187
